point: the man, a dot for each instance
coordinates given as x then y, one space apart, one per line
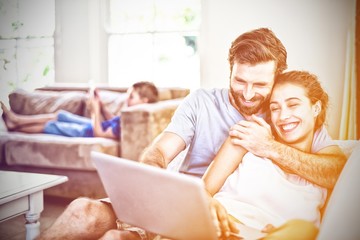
202 122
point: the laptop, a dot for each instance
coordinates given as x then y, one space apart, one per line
167 203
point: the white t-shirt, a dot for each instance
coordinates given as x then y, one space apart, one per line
259 193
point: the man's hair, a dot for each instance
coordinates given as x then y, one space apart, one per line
258 46
147 90
312 87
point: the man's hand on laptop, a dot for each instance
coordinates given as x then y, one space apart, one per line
225 226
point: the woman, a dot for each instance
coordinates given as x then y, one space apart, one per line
67 124
258 192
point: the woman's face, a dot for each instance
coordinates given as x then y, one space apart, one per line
293 116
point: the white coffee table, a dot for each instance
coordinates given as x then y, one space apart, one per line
22 193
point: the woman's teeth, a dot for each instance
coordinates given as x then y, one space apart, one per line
288 127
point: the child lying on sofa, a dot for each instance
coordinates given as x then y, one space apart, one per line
71 125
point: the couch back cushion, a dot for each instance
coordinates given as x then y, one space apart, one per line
75 100
38 102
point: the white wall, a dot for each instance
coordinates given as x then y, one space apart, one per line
80 42
313 32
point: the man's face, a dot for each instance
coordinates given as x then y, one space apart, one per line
250 86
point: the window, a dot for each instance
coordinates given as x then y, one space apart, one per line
153 40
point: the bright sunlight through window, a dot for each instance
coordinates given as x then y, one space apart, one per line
154 40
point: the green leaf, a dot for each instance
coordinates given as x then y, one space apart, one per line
46 71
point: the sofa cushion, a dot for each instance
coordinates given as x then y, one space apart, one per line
38 102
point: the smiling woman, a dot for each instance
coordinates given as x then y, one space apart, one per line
298 107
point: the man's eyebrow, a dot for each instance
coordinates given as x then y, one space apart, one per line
287 100
258 83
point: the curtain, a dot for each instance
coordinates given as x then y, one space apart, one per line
357 47
348 123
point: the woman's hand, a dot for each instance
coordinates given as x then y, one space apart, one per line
224 225
255 136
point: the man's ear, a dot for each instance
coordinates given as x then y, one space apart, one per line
317 108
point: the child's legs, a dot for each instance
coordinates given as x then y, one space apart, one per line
64 116
31 128
68 129
18 120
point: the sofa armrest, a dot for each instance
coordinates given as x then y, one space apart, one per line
348 146
341 218
142 123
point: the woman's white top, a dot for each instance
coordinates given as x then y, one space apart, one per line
260 193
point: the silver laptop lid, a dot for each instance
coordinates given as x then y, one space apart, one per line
171 204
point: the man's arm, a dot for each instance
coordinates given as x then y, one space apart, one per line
322 168
163 150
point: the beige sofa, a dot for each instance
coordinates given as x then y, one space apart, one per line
53 154
342 216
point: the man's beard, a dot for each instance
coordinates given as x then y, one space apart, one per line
262 102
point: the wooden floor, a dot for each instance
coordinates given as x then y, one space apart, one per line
14 229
